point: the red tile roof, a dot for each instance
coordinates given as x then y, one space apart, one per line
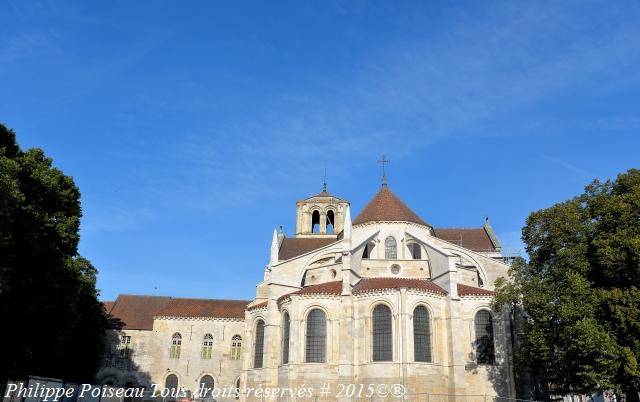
328 288
369 284
476 239
108 305
296 246
386 206
259 305
136 312
203 308
466 290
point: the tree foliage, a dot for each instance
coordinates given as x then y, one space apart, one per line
53 323
580 290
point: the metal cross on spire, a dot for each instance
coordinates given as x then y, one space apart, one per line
384 162
324 180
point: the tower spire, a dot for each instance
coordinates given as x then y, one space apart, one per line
324 180
384 162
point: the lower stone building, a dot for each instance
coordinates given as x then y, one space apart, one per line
383 299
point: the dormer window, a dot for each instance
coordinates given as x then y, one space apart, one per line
390 248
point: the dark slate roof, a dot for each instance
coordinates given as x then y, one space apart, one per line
295 246
210 308
370 284
328 288
476 239
386 206
466 290
136 312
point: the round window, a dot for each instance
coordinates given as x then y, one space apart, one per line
395 269
333 273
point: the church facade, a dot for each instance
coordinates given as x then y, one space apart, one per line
385 298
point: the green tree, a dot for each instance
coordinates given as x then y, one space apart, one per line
53 323
579 293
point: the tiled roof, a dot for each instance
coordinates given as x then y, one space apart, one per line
476 239
108 305
203 308
295 246
259 305
136 312
466 290
386 206
369 284
328 288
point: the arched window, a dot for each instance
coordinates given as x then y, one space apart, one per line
171 383
421 335
286 324
259 345
176 342
382 334
207 346
206 386
390 248
316 336
330 222
236 347
484 337
416 251
315 222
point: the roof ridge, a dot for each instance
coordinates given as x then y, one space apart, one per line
204 299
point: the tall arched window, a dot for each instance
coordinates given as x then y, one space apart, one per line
286 324
207 346
382 334
206 386
176 342
259 345
315 222
484 337
236 347
330 222
316 336
390 248
171 383
421 335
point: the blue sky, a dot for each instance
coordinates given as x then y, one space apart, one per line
193 127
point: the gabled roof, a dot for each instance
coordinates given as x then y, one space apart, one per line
386 206
476 239
210 308
136 312
466 290
328 288
295 246
371 284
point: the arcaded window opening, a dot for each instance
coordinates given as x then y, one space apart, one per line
330 222
390 248
416 251
176 342
316 344
207 346
315 222
421 334
286 324
484 337
382 334
259 345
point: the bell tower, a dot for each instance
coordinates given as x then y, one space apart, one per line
321 215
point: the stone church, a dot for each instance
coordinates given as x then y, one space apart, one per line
385 298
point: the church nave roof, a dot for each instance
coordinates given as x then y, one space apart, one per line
386 206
